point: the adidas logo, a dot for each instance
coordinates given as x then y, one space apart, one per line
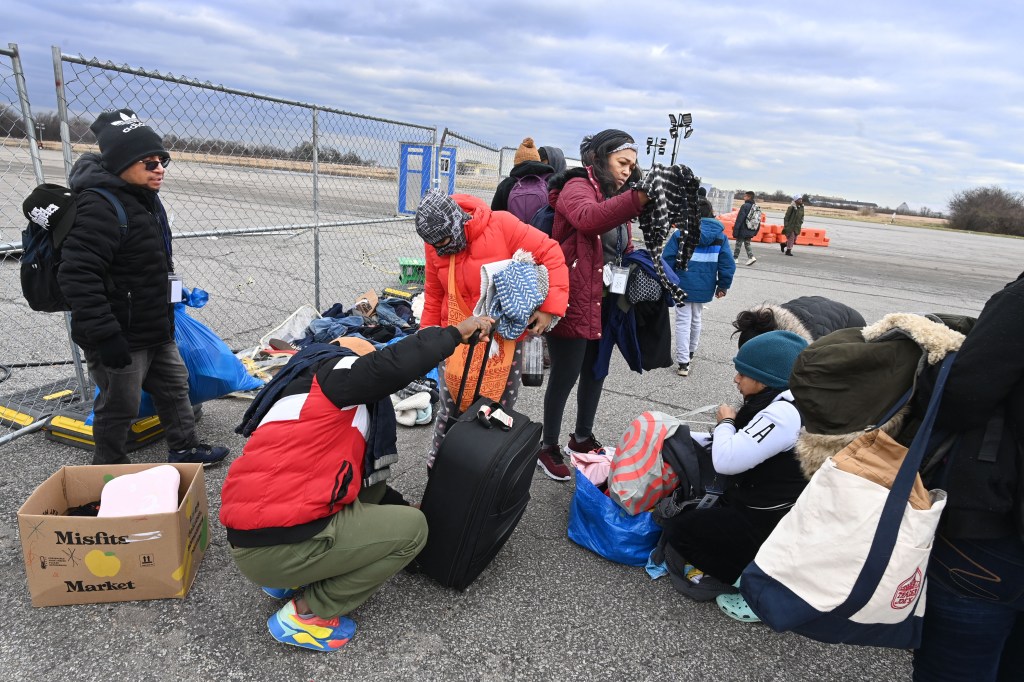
41 216
130 122
126 120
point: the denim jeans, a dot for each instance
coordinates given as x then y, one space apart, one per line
161 372
974 617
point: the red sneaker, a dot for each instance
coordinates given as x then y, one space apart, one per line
588 444
552 462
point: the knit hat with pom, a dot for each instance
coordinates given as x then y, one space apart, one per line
527 152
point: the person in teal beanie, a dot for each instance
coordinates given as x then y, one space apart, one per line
707 549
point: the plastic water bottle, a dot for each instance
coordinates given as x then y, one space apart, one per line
533 361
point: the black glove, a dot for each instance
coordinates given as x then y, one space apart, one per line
115 353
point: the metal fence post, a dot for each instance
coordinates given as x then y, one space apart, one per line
62 110
316 210
26 114
65 143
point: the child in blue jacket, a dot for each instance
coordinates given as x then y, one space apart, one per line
707 275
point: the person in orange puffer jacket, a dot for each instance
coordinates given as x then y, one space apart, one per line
461 234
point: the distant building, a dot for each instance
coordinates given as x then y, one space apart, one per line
903 209
839 202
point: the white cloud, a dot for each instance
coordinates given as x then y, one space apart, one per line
878 101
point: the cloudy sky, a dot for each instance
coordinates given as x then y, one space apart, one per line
905 100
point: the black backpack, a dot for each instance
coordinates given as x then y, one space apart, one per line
544 219
50 210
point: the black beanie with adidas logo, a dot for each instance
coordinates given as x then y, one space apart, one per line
124 139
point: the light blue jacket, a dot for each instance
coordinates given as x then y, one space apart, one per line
710 268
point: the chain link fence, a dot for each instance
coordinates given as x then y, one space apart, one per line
35 353
274 204
478 168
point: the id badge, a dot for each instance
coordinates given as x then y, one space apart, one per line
174 285
620 275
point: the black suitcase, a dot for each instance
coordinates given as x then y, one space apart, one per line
478 487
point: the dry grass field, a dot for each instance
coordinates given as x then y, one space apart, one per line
811 211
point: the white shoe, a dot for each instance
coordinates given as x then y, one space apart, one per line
751 261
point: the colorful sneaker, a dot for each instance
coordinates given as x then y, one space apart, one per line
588 444
552 463
281 592
204 454
312 632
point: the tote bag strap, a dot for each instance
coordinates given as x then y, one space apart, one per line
895 503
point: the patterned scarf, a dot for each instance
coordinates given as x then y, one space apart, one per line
439 217
673 204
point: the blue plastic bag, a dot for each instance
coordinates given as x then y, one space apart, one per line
213 370
603 527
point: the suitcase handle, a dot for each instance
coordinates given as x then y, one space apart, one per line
474 340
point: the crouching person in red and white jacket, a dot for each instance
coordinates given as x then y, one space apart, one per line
307 505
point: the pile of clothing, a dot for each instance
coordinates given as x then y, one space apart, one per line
368 324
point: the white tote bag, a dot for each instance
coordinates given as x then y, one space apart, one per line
848 563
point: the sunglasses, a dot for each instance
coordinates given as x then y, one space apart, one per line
151 165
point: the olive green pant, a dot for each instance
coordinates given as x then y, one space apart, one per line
343 565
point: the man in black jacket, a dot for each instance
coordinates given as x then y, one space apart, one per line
118 284
740 232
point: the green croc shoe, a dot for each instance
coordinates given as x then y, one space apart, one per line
736 607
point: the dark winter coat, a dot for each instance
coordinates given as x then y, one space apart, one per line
739 228
817 316
582 215
793 220
500 200
113 285
641 331
987 379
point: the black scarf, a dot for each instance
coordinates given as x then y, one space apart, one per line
672 191
754 404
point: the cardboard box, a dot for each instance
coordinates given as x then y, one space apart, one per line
86 560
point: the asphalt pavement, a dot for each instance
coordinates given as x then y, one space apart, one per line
545 609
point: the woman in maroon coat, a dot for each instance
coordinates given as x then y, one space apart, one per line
593 209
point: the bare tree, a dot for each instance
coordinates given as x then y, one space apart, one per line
987 209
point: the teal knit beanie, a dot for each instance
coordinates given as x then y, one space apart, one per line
769 357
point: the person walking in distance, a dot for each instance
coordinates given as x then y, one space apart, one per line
748 222
792 223
119 285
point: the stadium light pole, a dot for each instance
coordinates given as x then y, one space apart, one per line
657 144
676 123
